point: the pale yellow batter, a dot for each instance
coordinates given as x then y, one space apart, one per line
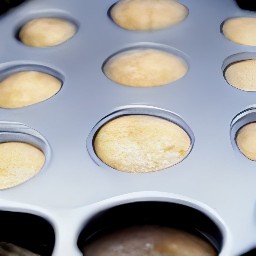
246 140
26 88
145 68
18 163
241 30
46 32
139 143
148 14
242 75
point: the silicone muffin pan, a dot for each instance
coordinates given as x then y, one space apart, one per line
75 194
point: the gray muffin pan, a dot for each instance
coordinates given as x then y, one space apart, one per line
73 186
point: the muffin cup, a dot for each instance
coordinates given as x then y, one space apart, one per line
17 132
245 117
28 231
181 56
176 212
136 110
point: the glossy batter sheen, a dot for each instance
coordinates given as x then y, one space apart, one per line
149 241
246 140
46 32
145 68
18 163
242 75
241 30
26 88
140 144
148 14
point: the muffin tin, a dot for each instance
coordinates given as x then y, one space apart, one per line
73 188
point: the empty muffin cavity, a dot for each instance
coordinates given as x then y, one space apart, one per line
23 154
147 15
150 228
140 139
48 31
240 30
25 234
239 70
25 85
145 65
243 133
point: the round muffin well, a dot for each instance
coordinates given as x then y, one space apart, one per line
152 228
240 30
141 143
148 14
242 74
46 32
145 67
246 140
19 162
25 234
27 87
